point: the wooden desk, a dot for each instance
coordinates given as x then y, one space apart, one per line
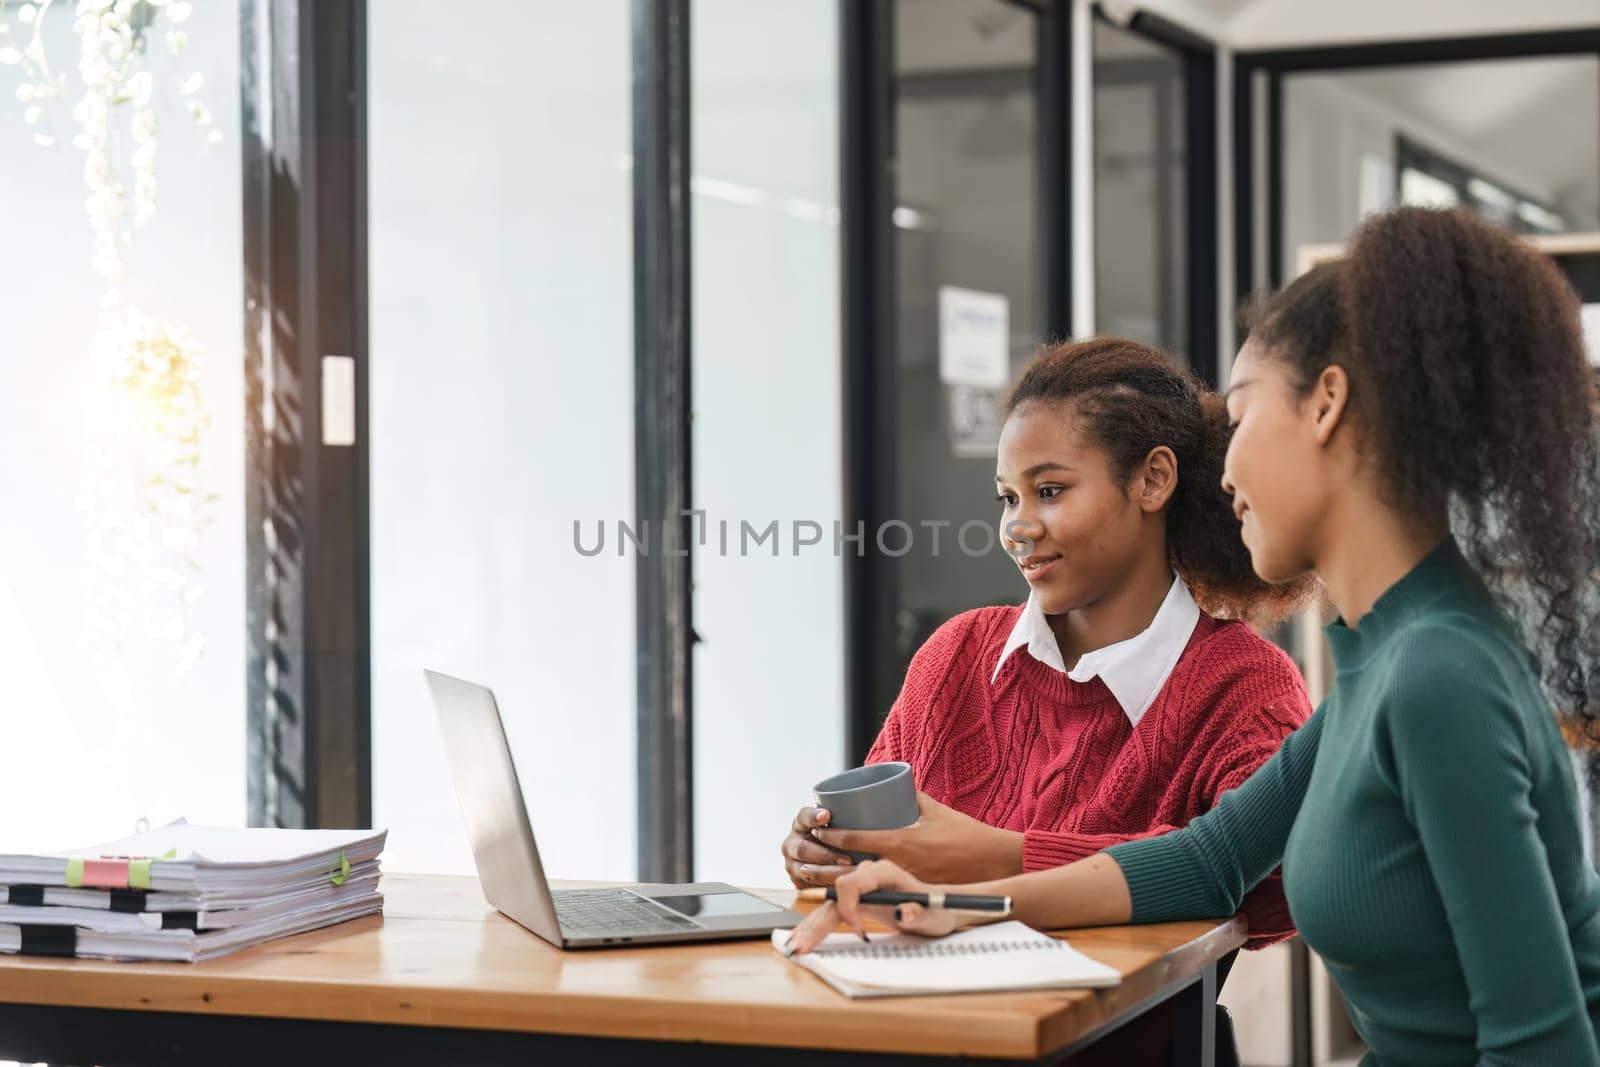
443 978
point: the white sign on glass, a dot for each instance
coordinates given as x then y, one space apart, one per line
974 338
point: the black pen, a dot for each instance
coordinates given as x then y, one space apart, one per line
1000 906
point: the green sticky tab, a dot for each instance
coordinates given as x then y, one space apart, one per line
341 872
75 873
139 870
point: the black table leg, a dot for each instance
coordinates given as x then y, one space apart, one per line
1194 1022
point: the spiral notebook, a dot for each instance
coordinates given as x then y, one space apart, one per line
983 959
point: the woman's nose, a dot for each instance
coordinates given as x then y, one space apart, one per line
1021 529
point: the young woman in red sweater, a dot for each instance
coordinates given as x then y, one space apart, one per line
1125 696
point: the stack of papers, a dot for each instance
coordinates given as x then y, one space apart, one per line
1004 956
187 892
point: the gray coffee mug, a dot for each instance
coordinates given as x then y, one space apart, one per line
880 796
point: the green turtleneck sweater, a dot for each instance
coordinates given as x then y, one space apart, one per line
1426 819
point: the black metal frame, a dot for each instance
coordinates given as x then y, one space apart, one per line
662 467
867 286
1053 50
1279 63
305 245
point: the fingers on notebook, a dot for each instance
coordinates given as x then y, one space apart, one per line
818 925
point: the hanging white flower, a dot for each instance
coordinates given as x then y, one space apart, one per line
146 516
138 88
144 129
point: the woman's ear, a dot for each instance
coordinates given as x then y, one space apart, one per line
1330 395
1157 479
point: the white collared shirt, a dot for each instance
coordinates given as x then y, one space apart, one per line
1134 670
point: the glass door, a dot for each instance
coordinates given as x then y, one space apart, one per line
967 308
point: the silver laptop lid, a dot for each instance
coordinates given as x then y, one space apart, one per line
491 803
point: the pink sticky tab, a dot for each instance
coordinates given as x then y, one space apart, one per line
105 874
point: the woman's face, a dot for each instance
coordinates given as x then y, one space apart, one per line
1070 526
1276 466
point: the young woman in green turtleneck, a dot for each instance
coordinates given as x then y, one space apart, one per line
1426 816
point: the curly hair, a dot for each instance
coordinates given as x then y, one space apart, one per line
1130 398
1468 377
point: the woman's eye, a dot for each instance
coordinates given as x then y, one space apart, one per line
1050 492
1007 499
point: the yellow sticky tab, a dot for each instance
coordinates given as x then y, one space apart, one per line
75 873
341 872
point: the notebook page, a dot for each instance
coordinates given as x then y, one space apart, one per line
1002 956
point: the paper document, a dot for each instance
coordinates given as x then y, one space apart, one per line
187 893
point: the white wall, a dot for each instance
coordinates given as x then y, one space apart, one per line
83 758
501 407
769 675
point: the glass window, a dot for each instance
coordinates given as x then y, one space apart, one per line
1140 190
1421 188
1514 139
967 233
769 668
501 409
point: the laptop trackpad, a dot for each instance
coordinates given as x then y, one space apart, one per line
727 904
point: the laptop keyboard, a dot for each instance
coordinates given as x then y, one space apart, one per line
614 913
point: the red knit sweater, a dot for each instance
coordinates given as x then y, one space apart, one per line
1036 752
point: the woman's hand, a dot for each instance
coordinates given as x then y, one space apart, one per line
808 862
943 845
877 874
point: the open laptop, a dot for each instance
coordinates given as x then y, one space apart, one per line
508 859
